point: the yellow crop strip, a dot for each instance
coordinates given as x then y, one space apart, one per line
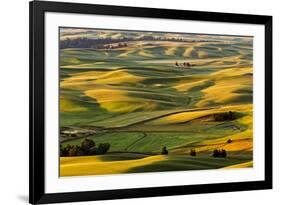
92 165
242 165
187 116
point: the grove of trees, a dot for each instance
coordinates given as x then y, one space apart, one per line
219 153
86 148
100 42
225 116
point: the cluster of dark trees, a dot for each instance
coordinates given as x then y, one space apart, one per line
86 148
89 43
225 116
184 64
162 38
98 43
216 153
219 153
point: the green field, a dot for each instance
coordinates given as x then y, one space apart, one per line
139 97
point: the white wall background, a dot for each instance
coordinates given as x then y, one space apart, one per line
14 44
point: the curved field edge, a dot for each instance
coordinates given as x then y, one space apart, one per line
249 164
96 165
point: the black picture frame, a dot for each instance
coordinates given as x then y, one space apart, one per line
37 10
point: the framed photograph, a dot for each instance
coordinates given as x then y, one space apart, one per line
140 102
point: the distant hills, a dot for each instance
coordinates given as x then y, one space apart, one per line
96 38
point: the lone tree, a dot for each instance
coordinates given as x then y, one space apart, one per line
75 151
164 151
86 146
193 152
103 148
